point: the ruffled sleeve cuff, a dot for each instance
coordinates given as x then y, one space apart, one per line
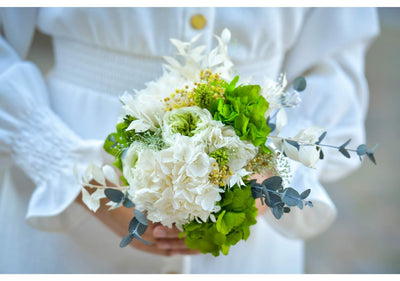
40 143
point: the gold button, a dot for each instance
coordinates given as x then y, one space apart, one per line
172 272
198 21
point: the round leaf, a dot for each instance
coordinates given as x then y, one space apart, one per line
299 84
361 149
291 197
133 224
273 183
128 203
277 211
140 217
114 195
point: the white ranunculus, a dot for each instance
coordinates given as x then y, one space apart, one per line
309 135
185 121
306 153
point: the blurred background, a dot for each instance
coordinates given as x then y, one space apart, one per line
366 235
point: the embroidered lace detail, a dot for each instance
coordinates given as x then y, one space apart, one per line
44 147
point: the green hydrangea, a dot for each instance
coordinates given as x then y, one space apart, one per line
244 109
238 213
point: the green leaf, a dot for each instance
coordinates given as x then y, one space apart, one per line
225 249
232 85
219 221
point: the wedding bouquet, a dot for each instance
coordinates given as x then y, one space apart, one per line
188 144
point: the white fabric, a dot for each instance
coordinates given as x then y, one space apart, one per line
48 125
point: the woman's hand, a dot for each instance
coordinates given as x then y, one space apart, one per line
164 241
262 208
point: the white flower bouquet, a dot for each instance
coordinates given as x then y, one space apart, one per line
188 144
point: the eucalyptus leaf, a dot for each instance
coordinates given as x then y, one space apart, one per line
128 203
114 195
126 240
133 224
277 211
321 137
274 199
291 197
309 203
300 205
272 126
346 143
142 240
141 229
305 194
273 183
344 152
371 157
299 84
361 149
256 192
373 149
140 217
321 154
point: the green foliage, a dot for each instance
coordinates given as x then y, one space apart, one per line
118 142
244 109
238 213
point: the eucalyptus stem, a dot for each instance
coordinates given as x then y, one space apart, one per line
311 144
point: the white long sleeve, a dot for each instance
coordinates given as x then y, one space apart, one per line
329 53
32 136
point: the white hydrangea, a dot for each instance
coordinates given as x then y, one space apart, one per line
172 185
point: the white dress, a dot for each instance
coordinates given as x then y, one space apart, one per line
47 124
